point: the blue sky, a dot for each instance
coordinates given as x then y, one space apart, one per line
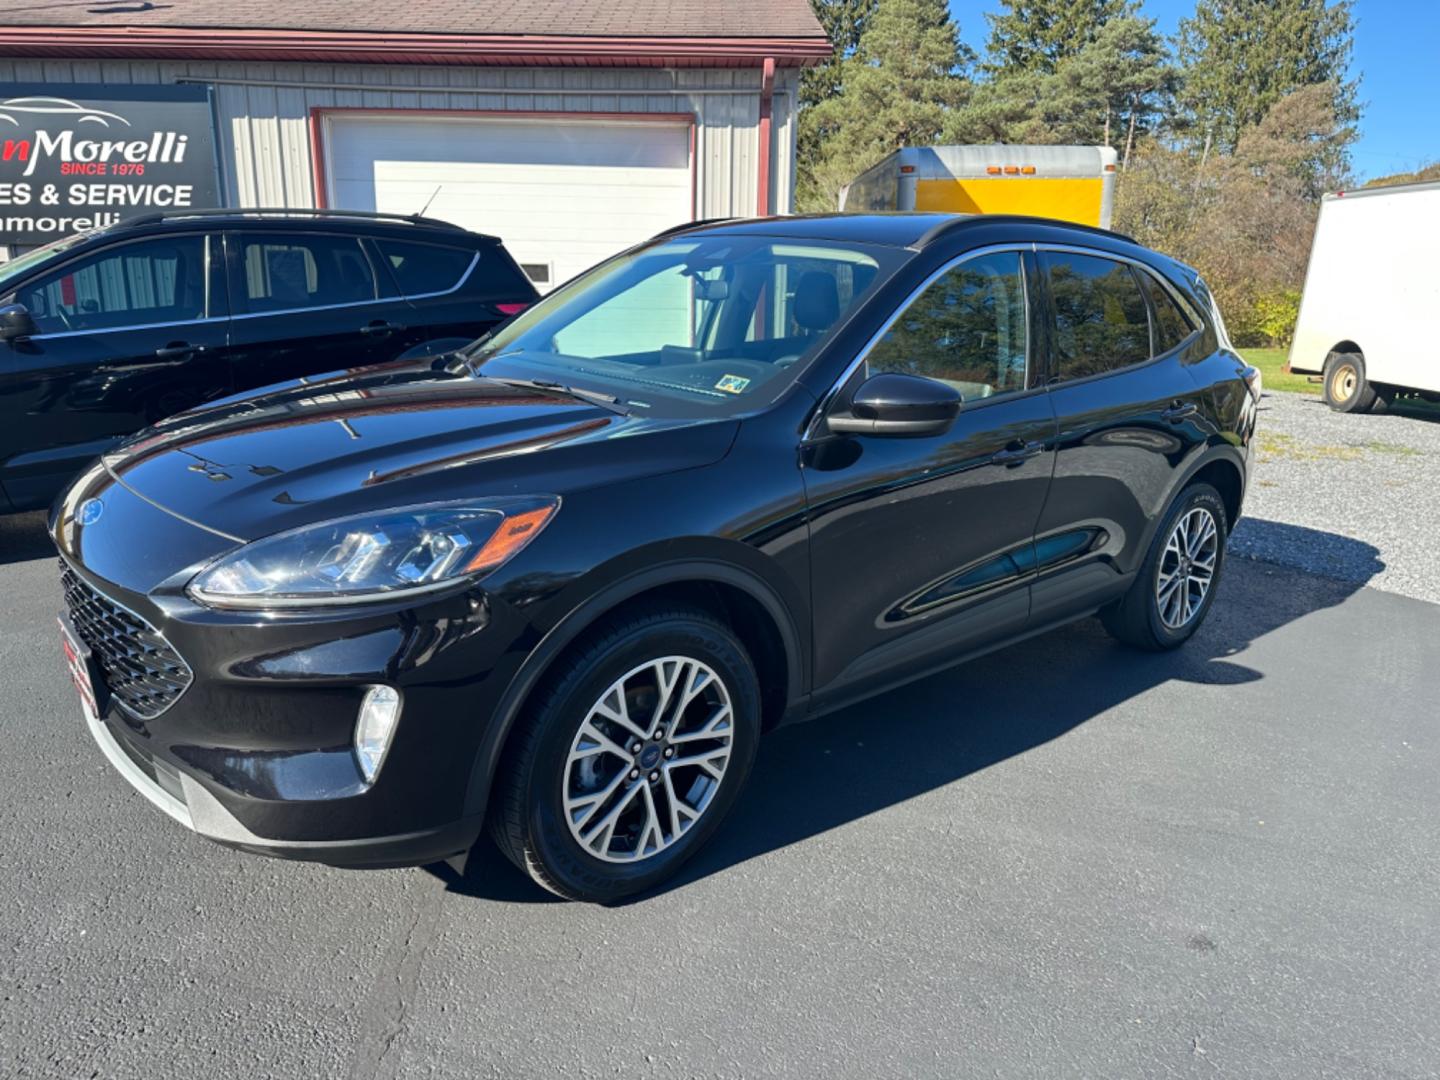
1397 55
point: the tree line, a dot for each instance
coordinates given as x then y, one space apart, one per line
1227 134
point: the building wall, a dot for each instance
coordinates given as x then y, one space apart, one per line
264 113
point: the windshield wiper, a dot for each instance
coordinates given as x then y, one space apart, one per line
594 397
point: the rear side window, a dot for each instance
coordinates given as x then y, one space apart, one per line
136 284
421 269
284 272
1101 319
1171 325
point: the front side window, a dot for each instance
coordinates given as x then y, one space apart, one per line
149 281
1101 321
284 272
967 329
693 325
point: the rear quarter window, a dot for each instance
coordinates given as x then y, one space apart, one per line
421 269
1172 326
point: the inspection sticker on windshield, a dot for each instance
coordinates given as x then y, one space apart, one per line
732 384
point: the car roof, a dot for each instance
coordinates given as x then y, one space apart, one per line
912 229
263 218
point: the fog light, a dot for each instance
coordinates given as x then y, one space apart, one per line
375 728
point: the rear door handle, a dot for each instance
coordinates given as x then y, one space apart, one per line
178 350
1016 453
1181 410
380 329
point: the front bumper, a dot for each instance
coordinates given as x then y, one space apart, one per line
256 750
192 805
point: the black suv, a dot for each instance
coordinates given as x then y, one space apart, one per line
105 332
562 581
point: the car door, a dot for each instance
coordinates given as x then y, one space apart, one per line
1130 420
308 302
922 548
125 336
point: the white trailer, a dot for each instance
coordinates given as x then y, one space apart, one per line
1371 306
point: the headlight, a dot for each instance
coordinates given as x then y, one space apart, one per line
374 556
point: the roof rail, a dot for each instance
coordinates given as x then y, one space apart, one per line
944 228
286 211
684 225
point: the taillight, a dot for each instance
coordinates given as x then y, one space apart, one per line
511 309
1253 381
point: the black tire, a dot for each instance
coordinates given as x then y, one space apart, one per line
1345 387
1136 618
527 816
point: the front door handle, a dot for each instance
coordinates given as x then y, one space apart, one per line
380 329
178 350
1016 453
1181 410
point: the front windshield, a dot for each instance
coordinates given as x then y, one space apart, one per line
12 270
691 326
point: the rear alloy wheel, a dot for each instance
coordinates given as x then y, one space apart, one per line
1346 388
1187 567
631 754
1173 591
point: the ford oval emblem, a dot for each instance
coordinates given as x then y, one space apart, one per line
90 511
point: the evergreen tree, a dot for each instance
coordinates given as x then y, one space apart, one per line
896 88
1240 57
1109 92
844 22
1034 36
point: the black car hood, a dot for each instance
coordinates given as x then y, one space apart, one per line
393 436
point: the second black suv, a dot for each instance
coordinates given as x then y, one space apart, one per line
108 331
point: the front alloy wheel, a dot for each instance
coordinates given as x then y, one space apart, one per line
634 748
648 759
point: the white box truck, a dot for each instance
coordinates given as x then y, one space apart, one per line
1371 305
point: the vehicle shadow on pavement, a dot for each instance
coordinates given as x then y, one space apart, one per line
23 537
814 777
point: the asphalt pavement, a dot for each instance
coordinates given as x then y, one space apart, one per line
1066 859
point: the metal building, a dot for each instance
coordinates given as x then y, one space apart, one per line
569 130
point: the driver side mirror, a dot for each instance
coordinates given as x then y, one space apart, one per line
899 405
15 322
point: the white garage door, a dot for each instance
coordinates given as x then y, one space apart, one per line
562 194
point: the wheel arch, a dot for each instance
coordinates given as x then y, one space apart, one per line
1222 466
751 605
1226 476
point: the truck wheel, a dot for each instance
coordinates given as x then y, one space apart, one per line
1346 388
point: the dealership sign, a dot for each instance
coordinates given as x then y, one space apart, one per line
101 154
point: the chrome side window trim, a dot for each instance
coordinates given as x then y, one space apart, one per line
126 329
205 239
1186 307
812 428
209 240
474 262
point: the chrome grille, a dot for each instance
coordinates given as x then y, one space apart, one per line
142 671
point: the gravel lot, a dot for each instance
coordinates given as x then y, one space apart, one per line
1372 478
